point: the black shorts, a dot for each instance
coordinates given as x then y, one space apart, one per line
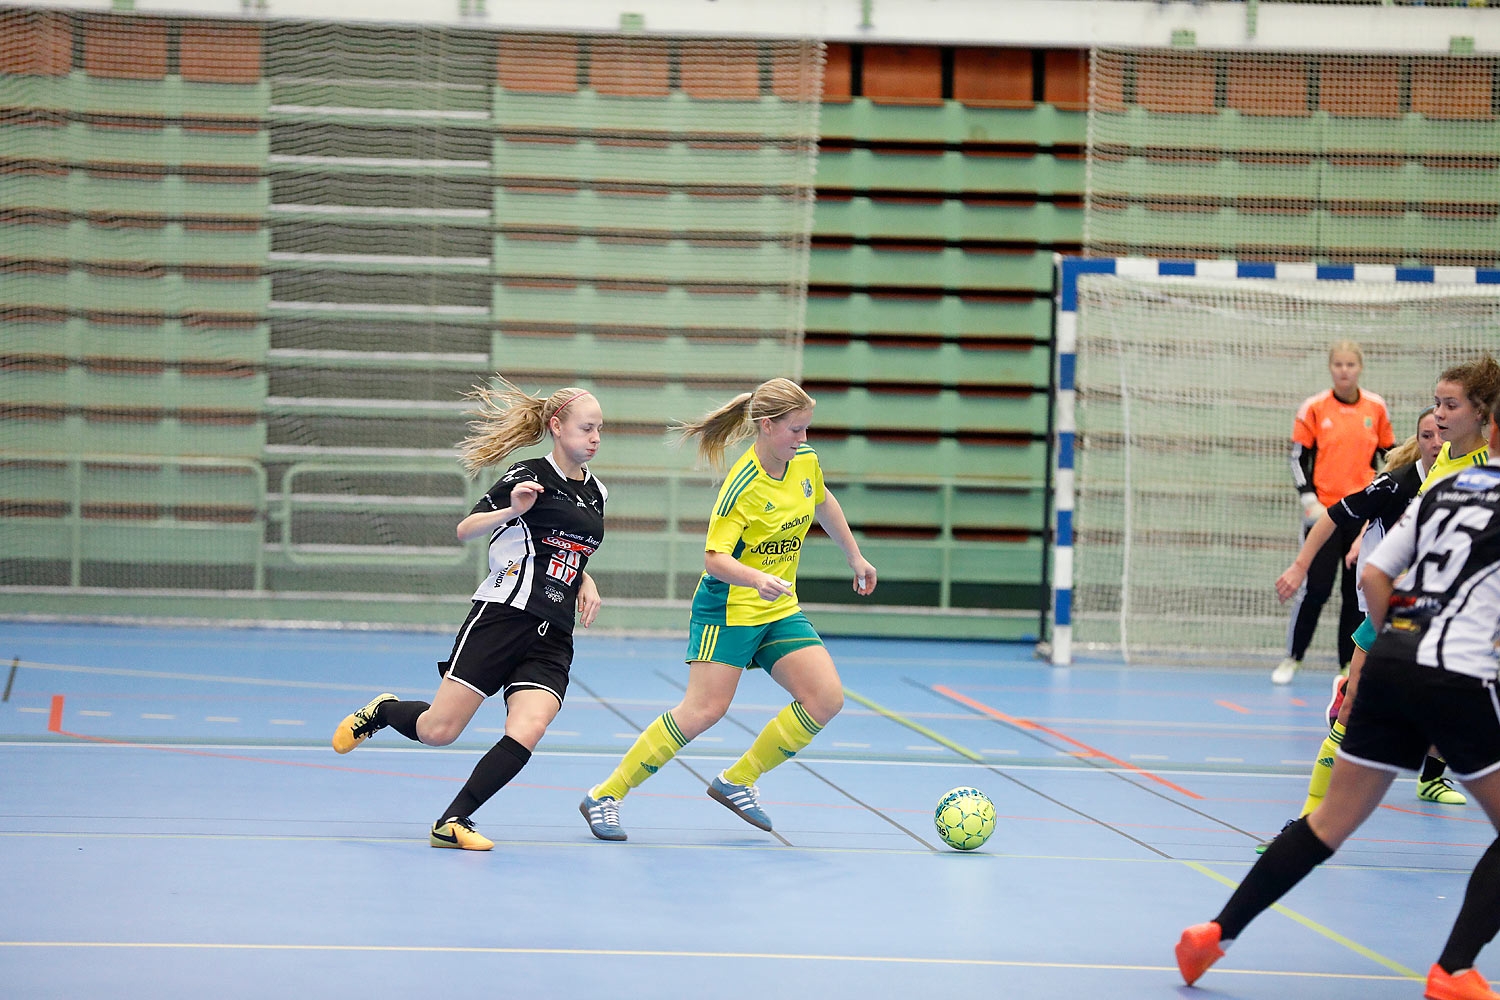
1402 708
501 648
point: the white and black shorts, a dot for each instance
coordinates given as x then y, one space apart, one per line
1402 708
501 648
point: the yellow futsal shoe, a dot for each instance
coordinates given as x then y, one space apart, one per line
459 832
1441 791
360 726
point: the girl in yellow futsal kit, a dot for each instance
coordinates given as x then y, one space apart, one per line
745 612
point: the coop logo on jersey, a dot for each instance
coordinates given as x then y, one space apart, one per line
557 541
807 488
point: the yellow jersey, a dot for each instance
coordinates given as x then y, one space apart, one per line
1446 465
761 521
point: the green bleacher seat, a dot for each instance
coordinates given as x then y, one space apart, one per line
945 315
950 220
913 362
948 268
948 171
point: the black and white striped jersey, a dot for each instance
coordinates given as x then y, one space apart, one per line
537 559
1444 613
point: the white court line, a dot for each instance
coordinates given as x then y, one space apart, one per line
157 715
1001 752
1224 760
287 722
95 713
852 746
220 718
37 711
1149 756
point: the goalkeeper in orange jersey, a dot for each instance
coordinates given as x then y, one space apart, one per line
1338 438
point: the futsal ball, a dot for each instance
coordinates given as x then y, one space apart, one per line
965 818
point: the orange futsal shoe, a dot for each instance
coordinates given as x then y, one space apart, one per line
458 832
1469 986
1199 949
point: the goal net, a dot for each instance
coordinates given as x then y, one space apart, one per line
1182 379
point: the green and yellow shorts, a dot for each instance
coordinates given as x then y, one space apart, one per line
750 646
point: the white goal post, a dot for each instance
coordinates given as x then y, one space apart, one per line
1175 388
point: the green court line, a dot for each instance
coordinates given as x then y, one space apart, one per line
917 727
642 953
1313 925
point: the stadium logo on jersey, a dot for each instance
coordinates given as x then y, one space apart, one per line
570 545
807 488
1477 480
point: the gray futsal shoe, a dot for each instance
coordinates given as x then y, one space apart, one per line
742 800
603 816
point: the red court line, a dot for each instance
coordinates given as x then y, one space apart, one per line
1298 702
995 713
54 718
1233 707
1418 812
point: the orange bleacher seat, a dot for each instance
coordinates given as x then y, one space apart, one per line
632 67
1182 82
1360 86
730 71
838 75
903 74
993 78
1065 78
537 64
220 53
126 48
1453 89
38 43
1268 86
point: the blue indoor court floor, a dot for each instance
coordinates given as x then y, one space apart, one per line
173 823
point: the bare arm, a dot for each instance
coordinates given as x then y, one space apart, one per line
1378 587
831 519
522 498
1317 536
723 566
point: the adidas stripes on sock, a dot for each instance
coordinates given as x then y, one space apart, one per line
779 741
656 745
1322 772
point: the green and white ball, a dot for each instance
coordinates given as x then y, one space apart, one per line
965 818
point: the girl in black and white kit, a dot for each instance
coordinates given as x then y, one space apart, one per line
544 518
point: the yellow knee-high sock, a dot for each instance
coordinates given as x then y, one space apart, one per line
790 731
656 745
1317 785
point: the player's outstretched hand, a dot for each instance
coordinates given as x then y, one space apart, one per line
864 577
524 495
589 601
1288 583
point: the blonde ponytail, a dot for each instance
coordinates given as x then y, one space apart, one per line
507 419
737 419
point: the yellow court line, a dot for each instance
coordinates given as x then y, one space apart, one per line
957 748
642 953
1313 925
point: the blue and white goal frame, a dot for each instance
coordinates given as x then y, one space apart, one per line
1065 346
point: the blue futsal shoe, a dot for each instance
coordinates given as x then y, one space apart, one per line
603 815
743 800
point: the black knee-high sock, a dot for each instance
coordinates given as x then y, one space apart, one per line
1432 768
1479 917
1292 855
494 770
402 716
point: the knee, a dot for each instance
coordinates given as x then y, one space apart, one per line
695 716
437 732
527 731
824 705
